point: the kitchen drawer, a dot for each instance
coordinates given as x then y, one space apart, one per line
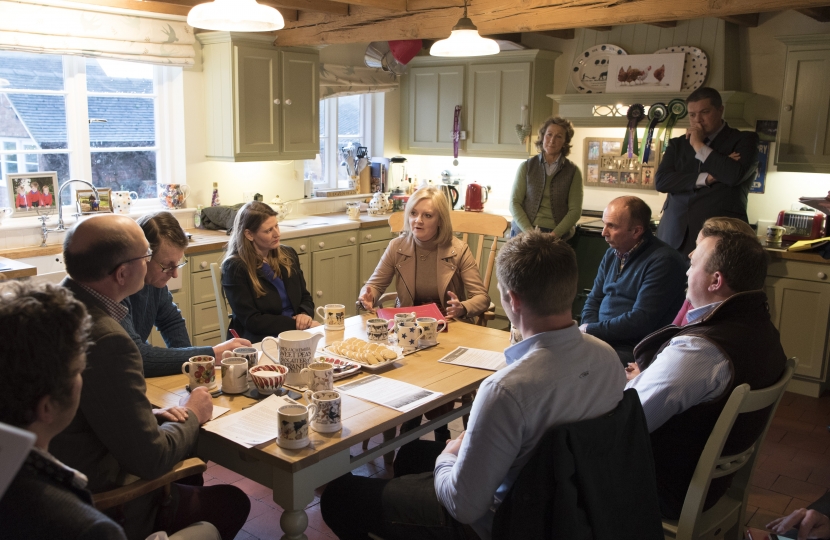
334 240
202 287
201 262
205 318
207 340
300 245
376 235
799 270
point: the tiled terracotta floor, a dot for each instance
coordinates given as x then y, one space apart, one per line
793 470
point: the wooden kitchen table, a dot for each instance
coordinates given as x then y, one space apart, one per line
295 474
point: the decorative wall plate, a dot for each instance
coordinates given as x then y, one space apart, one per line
695 68
590 69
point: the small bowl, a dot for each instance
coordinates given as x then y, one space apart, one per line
268 378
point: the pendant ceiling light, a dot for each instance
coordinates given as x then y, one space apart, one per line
235 16
464 41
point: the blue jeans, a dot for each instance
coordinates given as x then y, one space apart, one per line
402 508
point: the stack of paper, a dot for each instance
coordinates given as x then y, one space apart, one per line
252 426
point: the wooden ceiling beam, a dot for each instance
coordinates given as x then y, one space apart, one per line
508 16
388 5
749 20
515 37
664 24
821 14
421 5
600 28
565 33
287 8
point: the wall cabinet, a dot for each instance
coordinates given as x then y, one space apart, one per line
262 102
491 91
804 123
799 300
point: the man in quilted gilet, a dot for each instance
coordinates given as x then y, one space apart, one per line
688 373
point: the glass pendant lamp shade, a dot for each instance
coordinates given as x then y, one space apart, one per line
464 41
235 16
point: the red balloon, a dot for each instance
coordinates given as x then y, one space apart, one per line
404 50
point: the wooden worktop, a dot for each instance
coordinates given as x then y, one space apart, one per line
16 269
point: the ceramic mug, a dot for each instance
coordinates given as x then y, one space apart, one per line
329 404
319 376
403 318
4 213
293 425
353 211
775 234
202 371
268 378
432 327
408 335
234 375
122 201
248 353
333 315
377 330
296 350
173 195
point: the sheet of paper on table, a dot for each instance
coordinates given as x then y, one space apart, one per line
218 411
252 426
390 393
476 358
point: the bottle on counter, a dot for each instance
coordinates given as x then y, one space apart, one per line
197 217
214 200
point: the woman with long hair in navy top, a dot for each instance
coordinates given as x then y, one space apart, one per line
262 278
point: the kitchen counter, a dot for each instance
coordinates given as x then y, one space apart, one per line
11 269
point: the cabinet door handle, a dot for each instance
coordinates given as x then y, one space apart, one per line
319 294
321 245
288 102
352 239
203 265
302 247
822 275
788 108
368 237
276 102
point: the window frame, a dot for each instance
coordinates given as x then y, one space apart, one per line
168 96
329 116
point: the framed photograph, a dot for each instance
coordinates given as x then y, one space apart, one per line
604 166
89 204
645 73
31 194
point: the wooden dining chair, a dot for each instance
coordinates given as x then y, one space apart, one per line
477 228
221 302
125 494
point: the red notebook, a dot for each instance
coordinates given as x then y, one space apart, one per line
427 310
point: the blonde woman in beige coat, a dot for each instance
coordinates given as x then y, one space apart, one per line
428 263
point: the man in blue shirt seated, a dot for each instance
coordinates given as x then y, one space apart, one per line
153 305
556 376
640 282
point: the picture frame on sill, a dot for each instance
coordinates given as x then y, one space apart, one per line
603 166
32 193
645 73
89 204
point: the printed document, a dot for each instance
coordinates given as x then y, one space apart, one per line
252 426
390 393
476 358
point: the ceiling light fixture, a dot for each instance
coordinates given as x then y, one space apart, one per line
464 41
235 16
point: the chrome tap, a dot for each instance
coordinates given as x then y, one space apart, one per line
43 230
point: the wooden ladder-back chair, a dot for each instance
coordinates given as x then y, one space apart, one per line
482 226
125 494
726 517
221 303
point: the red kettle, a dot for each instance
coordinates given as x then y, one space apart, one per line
476 197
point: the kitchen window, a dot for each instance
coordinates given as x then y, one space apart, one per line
343 121
94 119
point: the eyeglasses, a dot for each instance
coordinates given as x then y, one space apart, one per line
172 268
145 257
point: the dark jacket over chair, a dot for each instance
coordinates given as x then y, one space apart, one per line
591 480
687 207
255 318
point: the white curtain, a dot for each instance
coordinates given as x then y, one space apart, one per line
48 29
338 81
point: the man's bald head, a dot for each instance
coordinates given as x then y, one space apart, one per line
98 244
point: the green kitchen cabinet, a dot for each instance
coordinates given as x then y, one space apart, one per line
434 92
496 94
262 102
804 122
204 318
334 277
373 244
180 298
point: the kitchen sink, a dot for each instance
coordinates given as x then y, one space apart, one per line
50 268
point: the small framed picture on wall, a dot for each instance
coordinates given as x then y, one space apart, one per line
31 194
604 165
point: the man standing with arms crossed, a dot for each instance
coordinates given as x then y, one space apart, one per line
706 172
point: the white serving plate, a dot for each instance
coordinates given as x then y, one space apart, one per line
368 367
589 67
695 68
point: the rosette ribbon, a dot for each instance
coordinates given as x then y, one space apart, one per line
456 131
656 114
636 112
677 111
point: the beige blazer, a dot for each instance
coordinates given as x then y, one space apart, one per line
457 271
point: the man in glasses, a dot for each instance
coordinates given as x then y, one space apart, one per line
153 304
116 435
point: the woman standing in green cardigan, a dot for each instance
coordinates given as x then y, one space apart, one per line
548 190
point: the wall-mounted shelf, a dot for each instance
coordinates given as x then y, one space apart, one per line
579 108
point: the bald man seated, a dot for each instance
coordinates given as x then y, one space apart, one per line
116 435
